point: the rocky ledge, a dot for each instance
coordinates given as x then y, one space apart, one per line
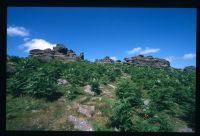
106 59
190 69
59 52
141 60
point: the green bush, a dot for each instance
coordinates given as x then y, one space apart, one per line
122 113
71 92
33 79
129 97
95 86
126 89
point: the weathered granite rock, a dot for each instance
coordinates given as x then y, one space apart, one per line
141 60
58 52
60 49
81 56
86 110
10 68
107 59
189 69
62 82
36 52
80 124
88 89
118 61
185 129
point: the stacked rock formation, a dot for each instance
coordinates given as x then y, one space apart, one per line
59 52
106 59
141 60
189 69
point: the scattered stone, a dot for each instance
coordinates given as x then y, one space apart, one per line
189 69
141 60
75 105
186 129
36 111
62 82
116 129
146 102
95 98
112 86
88 89
86 110
91 103
98 113
83 99
80 124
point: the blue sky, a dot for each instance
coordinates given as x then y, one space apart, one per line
168 33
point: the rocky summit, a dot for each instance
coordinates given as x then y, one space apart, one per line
59 52
141 60
106 59
189 69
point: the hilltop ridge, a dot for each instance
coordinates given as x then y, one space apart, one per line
62 53
58 52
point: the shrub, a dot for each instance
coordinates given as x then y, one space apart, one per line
33 79
71 92
95 86
129 97
126 89
122 113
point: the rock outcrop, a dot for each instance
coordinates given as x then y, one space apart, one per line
141 60
189 69
86 110
62 82
59 52
107 59
80 124
88 89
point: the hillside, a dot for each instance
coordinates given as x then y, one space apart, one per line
52 94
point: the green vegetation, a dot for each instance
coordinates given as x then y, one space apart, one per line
145 99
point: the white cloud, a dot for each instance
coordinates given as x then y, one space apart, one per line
17 31
139 50
134 50
189 56
26 39
114 58
149 50
37 44
169 58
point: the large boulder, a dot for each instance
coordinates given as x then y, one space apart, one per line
107 59
60 48
190 69
141 60
80 124
81 56
58 52
88 89
62 82
36 52
86 110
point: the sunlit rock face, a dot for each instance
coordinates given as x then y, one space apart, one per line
189 69
107 59
141 60
58 52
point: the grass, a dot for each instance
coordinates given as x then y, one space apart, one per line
54 115
18 111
